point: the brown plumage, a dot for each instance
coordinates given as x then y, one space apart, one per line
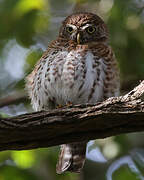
78 67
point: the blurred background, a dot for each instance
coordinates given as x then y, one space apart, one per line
26 28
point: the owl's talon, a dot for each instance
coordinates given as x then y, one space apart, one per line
69 104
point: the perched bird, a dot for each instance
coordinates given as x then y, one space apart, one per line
78 67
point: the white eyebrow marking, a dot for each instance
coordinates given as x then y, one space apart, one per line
73 26
87 25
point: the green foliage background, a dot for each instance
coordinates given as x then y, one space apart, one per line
26 28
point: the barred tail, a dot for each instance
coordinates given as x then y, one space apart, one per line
71 158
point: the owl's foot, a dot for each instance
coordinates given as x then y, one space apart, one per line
66 106
69 104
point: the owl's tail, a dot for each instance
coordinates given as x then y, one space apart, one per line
71 158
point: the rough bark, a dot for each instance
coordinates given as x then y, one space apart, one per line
13 98
114 116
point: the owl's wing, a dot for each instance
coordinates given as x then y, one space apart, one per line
35 78
111 81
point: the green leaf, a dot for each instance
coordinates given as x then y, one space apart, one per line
23 159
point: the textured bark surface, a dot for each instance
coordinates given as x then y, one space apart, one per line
114 116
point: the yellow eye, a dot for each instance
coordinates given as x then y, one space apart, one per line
91 29
69 29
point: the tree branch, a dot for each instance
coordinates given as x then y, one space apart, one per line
114 116
15 97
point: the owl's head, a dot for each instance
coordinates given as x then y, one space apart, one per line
84 28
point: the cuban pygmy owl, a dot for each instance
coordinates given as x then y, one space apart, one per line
78 67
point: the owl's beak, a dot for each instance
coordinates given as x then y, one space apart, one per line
78 38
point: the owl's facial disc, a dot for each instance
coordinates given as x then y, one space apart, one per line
81 34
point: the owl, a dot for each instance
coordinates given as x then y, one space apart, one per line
78 67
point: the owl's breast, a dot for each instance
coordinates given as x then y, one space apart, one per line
74 76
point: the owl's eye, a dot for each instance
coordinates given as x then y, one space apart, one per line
91 29
69 29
